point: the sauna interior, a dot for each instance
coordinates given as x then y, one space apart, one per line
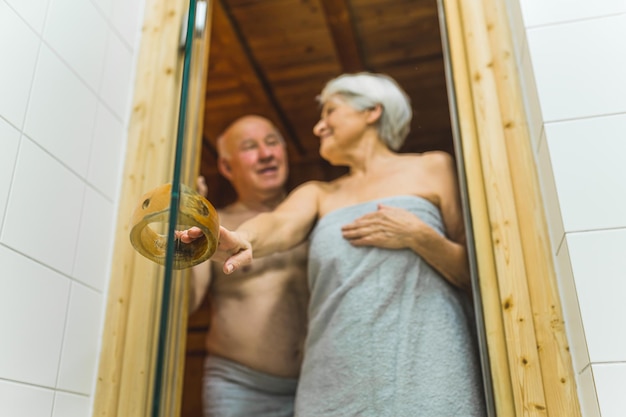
273 57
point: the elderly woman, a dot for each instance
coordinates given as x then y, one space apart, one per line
389 333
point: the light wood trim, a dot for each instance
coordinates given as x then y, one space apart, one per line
124 384
515 301
490 294
556 364
494 132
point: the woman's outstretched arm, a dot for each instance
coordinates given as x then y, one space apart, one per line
266 233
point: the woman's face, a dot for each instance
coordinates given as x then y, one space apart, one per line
340 128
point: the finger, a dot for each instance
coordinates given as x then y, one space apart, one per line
237 261
194 232
184 237
365 221
361 241
189 235
354 232
229 268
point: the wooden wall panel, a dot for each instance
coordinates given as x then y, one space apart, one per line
552 346
522 303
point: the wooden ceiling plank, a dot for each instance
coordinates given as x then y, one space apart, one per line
289 130
208 145
344 36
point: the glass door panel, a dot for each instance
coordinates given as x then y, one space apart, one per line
173 312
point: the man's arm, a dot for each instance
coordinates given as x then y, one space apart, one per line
201 273
200 280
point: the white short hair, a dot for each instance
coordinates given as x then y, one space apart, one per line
365 90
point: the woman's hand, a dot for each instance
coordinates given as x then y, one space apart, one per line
388 227
232 248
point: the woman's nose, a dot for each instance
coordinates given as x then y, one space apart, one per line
317 129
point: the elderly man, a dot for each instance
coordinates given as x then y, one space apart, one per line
258 314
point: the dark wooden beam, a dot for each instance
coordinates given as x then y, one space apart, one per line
208 145
265 84
344 36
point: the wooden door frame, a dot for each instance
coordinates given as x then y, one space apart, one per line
126 369
529 362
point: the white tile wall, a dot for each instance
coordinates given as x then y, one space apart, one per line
44 209
93 251
599 265
579 67
25 401
577 120
77 31
62 113
542 12
117 76
588 161
9 142
106 149
18 49
70 405
125 15
33 306
610 380
66 81
80 343
104 6
32 11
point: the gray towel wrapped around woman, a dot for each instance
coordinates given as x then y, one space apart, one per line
388 336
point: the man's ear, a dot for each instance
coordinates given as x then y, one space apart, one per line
224 168
375 113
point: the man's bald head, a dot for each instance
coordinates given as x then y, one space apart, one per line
253 157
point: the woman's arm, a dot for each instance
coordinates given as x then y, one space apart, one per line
455 263
396 228
266 233
199 284
287 225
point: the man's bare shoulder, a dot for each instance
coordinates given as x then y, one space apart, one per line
232 215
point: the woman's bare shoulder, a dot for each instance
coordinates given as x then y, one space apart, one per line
319 187
431 160
309 192
428 157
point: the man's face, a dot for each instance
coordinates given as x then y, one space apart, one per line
256 160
